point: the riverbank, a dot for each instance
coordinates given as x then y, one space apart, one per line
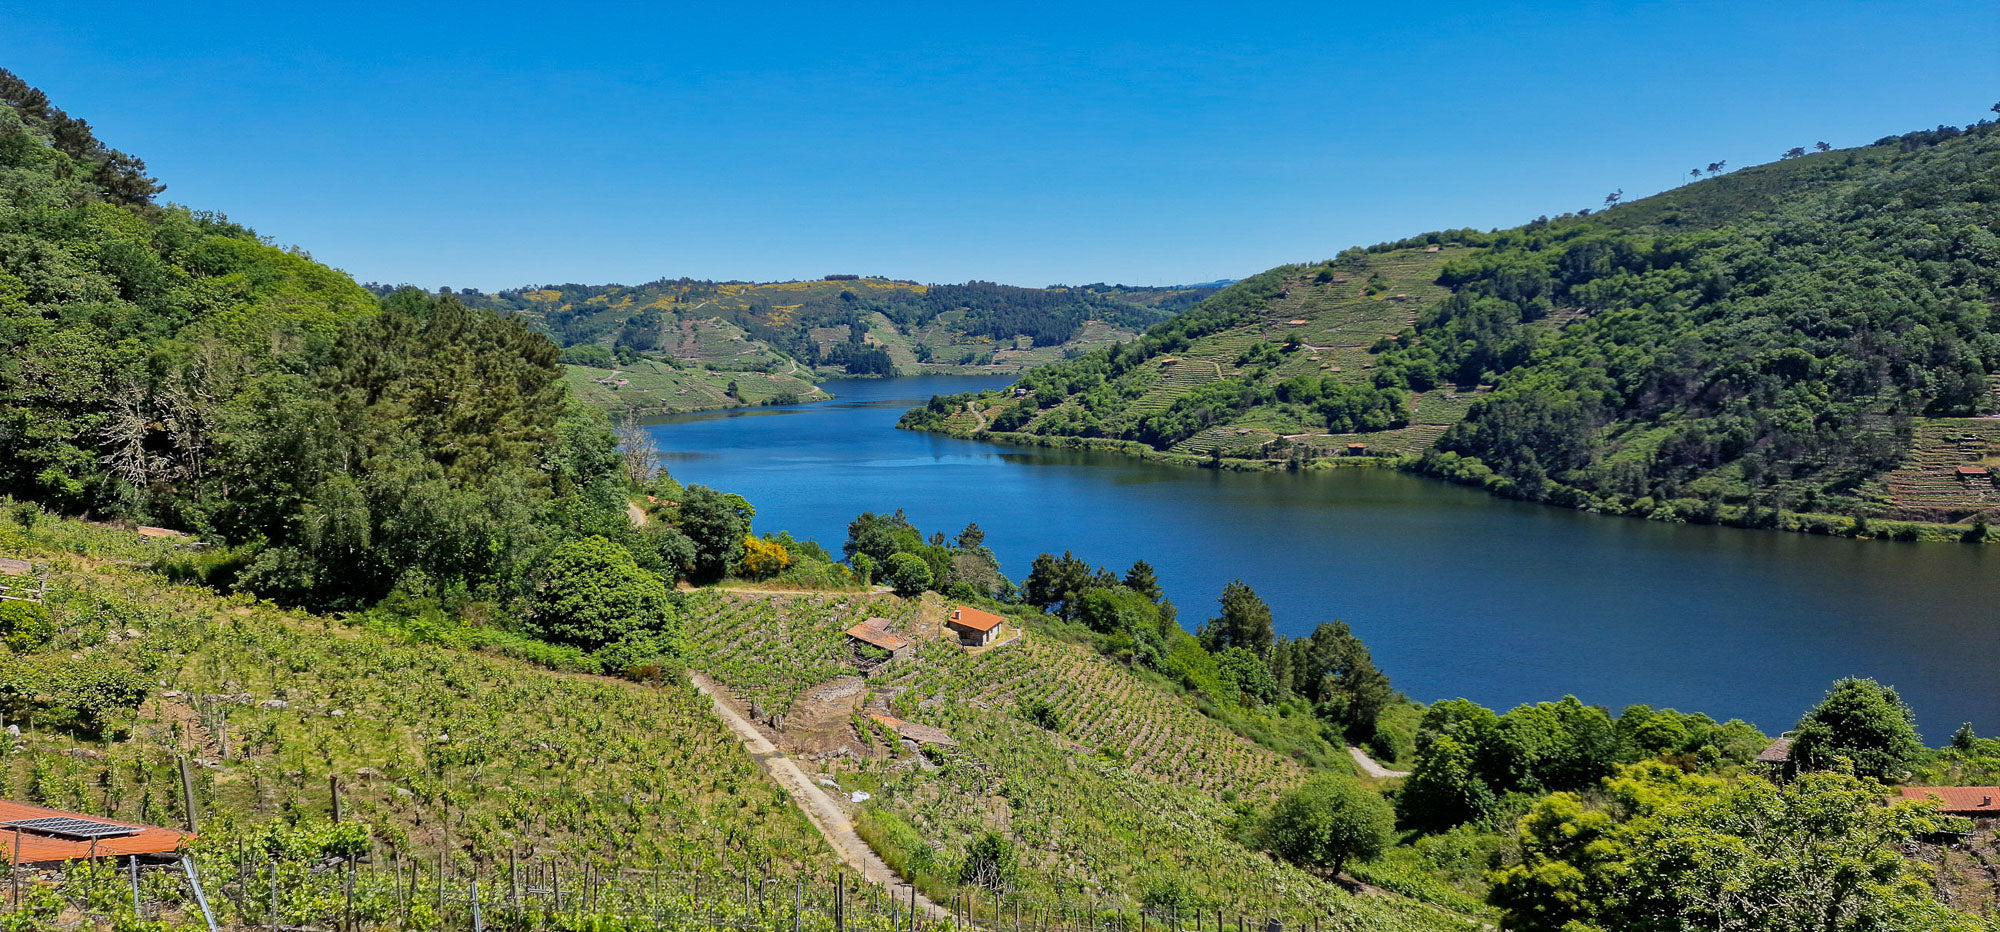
1674 511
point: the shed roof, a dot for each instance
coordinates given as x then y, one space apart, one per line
876 631
1960 800
39 848
12 567
921 734
1778 752
1972 470
974 619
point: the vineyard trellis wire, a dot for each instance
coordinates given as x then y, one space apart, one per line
432 893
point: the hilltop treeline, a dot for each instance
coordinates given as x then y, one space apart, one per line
1775 359
783 315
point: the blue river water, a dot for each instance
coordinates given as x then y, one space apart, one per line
1456 592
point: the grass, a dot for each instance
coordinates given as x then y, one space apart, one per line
653 387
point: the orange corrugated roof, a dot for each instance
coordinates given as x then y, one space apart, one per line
1961 800
874 631
150 839
967 617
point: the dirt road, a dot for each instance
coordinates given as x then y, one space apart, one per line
1370 767
819 808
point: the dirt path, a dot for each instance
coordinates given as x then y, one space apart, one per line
819 808
1370 767
636 513
981 416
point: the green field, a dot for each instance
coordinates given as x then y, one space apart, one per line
654 387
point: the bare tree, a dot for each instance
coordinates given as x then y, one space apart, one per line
642 459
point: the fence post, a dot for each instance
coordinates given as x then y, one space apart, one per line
478 925
274 895
132 866
798 902
194 881
187 796
333 791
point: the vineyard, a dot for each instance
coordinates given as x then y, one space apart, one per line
770 649
1123 796
438 750
561 800
1926 486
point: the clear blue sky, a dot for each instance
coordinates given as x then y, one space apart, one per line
493 145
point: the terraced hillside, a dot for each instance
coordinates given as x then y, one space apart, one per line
1316 322
441 751
1112 790
1949 472
652 386
1756 348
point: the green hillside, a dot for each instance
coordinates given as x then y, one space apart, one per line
1793 344
849 325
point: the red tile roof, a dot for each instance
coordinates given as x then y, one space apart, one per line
974 619
1972 470
876 631
38 848
1959 800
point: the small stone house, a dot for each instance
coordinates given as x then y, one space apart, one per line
974 627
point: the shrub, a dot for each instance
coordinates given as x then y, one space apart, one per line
592 594
25 625
907 573
1327 821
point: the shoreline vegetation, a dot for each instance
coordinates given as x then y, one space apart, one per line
1790 346
1684 511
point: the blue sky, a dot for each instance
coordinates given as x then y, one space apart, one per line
496 145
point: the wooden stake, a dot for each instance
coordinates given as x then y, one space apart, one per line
187 796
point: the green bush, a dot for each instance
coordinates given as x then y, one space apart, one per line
25 625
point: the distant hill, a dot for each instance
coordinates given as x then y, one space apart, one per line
842 324
1815 336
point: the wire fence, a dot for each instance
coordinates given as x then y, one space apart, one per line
240 891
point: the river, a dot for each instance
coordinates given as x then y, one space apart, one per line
1457 593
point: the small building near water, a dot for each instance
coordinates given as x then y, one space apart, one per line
974 627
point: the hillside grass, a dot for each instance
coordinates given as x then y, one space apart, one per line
655 387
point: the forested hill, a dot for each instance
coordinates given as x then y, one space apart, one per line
168 367
842 324
1816 335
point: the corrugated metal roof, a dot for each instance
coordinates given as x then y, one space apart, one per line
876 631
149 839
